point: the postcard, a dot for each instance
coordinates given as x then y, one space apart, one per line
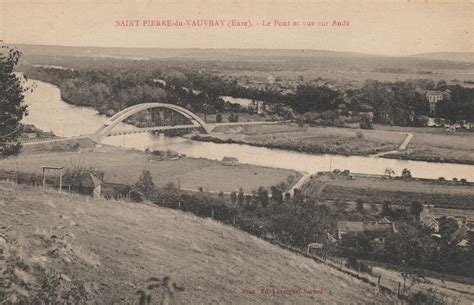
237 152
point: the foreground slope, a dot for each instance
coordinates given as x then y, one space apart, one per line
111 247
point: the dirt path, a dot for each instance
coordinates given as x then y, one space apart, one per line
300 183
407 140
402 146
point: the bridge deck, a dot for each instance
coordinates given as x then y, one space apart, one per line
147 129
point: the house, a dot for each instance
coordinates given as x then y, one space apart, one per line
83 183
93 184
461 233
230 161
427 219
430 222
349 227
433 97
464 243
375 228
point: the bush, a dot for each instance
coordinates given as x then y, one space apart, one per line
233 197
354 264
424 298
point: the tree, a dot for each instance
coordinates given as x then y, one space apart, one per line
145 183
366 122
387 209
277 194
416 209
406 173
359 205
233 197
390 172
12 106
263 196
241 197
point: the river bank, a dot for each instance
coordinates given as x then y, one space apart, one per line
433 155
309 139
50 113
416 144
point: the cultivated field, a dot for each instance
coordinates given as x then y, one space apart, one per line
378 190
125 166
104 251
322 139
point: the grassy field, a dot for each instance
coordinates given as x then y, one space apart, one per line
104 251
320 139
60 145
377 190
436 144
125 166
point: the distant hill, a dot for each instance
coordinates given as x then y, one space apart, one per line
110 248
322 63
452 56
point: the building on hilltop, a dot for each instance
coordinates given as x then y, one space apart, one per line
231 161
433 97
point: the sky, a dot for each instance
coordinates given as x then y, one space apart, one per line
376 27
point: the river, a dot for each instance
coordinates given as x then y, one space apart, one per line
48 112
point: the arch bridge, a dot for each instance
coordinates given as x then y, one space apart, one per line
109 127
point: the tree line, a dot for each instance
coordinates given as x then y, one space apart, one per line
400 103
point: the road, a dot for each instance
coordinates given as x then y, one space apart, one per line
405 143
402 146
212 126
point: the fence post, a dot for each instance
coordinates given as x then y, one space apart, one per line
398 290
61 181
44 179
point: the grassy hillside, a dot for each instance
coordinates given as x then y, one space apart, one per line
103 251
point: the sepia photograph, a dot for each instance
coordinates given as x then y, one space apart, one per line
238 152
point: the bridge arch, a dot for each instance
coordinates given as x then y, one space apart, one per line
112 122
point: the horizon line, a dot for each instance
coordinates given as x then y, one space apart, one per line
232 48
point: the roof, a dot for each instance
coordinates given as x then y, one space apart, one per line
434 92
350 226
230 159
82 180
370 226
95 180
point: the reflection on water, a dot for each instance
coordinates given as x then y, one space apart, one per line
49 112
